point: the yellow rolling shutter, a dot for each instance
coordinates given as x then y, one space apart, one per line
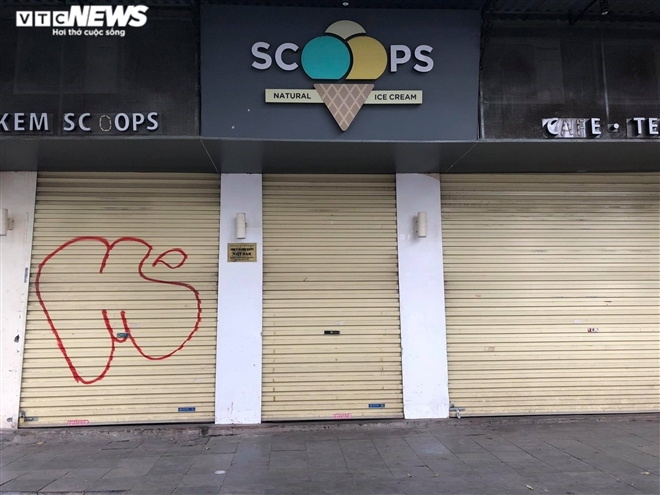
552 292
121 321
331 327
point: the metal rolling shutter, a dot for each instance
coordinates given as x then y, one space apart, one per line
150 377
330 265
532 263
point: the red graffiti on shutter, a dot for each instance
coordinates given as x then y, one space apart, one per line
114 339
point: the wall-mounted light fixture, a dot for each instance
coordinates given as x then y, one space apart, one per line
6 223
604 7
420 224
241 225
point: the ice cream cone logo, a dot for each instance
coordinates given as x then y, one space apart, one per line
344 62
344 51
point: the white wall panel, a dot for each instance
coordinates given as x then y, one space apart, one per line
421 287
238 379
17 194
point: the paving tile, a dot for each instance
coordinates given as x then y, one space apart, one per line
222 445
368 468
114 453
352 435
413 432
593 480
86 473
619 450
321 435
449 468
395 450
122 444
468 486
411 471
460 444
164 484
635 441
284 445
67 463
426 445
333 466
150 448
246 475
96 462
31 462
494 443
137 461
244 483
210 463
69 485
377 487
477 460
509 486
142 488
644 483
357 445
8 475
514 456
42 474
197 490
9 457
560 460
323 454
90 445
172 466
128 472
115 483
190 450
574 447
20 485
286 460
290 487
331 487
203 480
243 490
557 484
653 450
252 452
382 472
618 488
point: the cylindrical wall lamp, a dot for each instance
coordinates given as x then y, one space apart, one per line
6 223
421 224
241 225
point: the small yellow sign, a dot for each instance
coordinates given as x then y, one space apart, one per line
242 251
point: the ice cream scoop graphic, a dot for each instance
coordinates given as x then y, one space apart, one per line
124 332
344 51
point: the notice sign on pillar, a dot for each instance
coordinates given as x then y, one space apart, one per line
242 251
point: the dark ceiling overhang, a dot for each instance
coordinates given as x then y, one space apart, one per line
194 154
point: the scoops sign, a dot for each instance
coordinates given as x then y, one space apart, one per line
344 52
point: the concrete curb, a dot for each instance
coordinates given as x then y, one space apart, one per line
189 432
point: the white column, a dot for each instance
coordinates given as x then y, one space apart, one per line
421 289
238 365
17 194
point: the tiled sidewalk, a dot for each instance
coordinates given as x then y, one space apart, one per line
616 455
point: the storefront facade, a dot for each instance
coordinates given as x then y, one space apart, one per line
360 225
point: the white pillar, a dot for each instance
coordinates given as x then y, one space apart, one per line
17 194
240 287
422 298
